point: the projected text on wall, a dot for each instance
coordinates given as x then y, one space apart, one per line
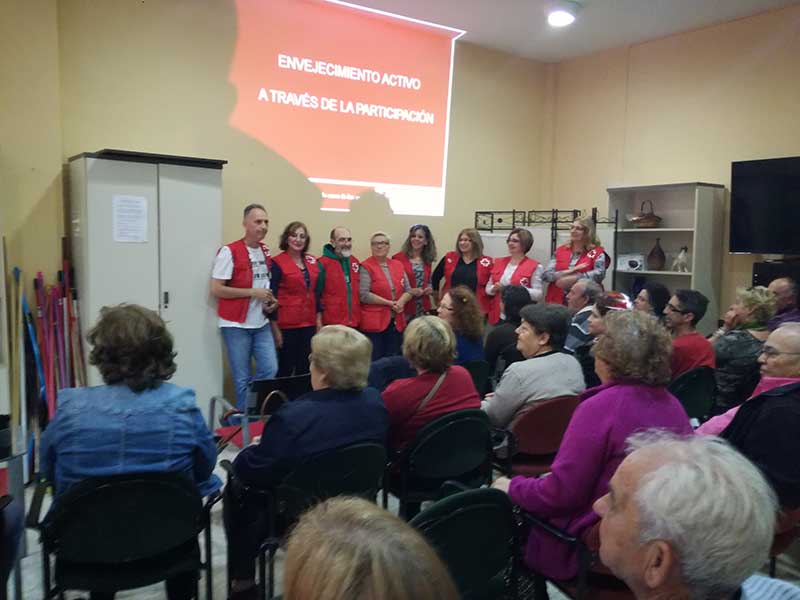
355 99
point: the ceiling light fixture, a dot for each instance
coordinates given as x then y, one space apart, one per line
563 13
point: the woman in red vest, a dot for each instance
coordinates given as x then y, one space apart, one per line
515 269
384 291
294 281
581 258
417 256
466 266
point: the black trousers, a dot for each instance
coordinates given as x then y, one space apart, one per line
246 525
386 342
293 355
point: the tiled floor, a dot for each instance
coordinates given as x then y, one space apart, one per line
788 567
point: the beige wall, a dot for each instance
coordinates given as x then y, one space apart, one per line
679 109
30 136
129 81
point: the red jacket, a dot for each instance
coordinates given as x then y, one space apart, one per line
376 317
555 295
297 305
335 307
410 308
522 275
235 309
483 272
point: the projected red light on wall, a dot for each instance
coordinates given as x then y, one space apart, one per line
355 99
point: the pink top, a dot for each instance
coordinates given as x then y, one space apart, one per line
716 425
591 450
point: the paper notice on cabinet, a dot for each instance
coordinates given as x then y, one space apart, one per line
130 219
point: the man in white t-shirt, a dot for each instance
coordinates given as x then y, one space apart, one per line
240 279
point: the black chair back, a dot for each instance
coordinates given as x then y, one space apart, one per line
355 470
474 532
453 445
124 518
697 390
479 370
293 387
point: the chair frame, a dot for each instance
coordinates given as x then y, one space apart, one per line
50 546
674 388
286 501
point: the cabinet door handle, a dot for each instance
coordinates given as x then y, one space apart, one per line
166 299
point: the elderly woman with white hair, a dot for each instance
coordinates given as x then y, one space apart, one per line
633 362
689 517
339 411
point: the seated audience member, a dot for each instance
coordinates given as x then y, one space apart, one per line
459 308
348 548
609 301
689 348
500 349
546 372
339 411
786 310
765 428
633 363
652 299
689 518
737 345
136 422
580 299
439 387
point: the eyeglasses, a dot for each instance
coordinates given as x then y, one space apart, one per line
380 243
672 308
771 352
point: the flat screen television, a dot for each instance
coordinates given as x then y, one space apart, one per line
765 206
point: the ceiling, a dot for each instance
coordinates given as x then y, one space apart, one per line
520 26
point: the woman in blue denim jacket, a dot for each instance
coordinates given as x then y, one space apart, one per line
136 422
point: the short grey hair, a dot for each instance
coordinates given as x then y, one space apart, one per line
591 290
343 355
250 207
711 504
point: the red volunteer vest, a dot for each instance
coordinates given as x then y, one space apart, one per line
297 306
410 308
522 275
483 270
235 309
376 317
336 310
555 295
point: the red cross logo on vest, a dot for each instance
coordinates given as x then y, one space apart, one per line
484 262
355 267
524 282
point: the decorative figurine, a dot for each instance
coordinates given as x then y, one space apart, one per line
681 262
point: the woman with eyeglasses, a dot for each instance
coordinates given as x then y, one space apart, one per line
514 269
417 255
384 291
581 258
737 345
466 266
296 283
460 310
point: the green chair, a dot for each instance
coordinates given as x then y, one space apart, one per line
456 446
697 391
355 470
480 371
477 536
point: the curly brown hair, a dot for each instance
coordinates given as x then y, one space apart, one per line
131 345
636 347
467 315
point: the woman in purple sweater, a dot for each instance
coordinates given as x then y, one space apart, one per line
632 360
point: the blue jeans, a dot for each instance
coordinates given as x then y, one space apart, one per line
242 345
